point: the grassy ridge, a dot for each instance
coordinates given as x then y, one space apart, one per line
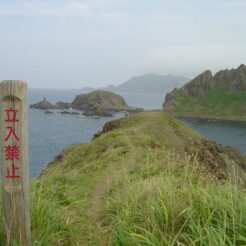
135 185
175 205
219 103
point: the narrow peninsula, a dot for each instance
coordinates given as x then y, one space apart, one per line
145 179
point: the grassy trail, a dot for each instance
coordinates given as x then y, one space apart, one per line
95 211
96 187
139 183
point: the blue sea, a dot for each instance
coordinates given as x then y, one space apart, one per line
50 133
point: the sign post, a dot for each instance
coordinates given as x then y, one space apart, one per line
15 161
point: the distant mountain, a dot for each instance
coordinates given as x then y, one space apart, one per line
222 96
149 83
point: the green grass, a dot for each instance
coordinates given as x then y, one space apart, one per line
217 103
168 204
135 185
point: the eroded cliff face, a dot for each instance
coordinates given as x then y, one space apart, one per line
232 82
200 85
196 88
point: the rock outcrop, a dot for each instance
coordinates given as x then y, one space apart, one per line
97 111
48 112
44 104
71 113
222 95
97 103
234 80
104 99
199 86
62 105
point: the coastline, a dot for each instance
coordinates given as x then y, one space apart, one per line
207 118
84 185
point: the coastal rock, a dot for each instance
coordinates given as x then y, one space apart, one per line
222 96
100 114
102 103
234 80
97 111
68 112
97 103
62 105
200 85
212 155
105 99
44 104
48 112
169 102
170 95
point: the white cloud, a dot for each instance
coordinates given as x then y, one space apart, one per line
40 9
54 9
108 1
189 60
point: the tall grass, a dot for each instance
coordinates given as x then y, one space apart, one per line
161 199
171 203
48 225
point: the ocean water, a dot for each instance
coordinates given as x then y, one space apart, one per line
226 133
50 133
147 101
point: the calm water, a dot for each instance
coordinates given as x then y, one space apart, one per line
50 133
148 101
226 133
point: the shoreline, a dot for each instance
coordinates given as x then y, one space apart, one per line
206 118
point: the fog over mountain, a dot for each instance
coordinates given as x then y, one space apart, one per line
149 83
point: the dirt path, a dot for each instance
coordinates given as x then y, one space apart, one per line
100 192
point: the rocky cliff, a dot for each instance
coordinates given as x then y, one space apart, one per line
220 96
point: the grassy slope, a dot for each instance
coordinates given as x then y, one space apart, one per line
130 187
218 103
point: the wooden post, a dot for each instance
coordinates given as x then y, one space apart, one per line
15 161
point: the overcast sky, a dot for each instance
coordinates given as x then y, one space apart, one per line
77 43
